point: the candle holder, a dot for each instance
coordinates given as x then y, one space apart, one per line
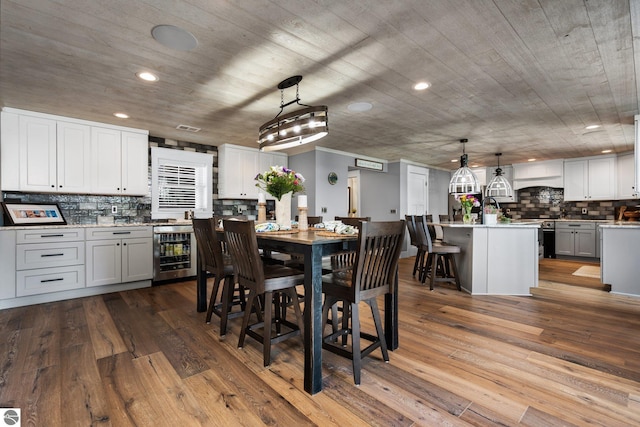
262 212
303 223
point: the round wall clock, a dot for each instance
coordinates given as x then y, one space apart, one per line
333 178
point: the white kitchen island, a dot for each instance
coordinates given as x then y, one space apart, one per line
499 259
619 257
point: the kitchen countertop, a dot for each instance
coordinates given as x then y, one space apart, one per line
513 224
53 227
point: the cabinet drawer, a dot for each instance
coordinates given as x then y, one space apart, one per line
51 235
576 225
118 233
43 255
45 280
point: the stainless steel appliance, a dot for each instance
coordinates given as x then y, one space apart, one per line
174 252
549 238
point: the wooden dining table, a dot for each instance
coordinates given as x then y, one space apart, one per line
313 245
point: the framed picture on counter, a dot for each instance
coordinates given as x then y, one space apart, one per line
33 214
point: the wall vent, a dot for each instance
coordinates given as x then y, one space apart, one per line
188 128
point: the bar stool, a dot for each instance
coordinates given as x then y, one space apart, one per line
441 263
372 274
218 263
268 282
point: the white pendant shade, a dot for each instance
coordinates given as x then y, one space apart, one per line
498 187
464 181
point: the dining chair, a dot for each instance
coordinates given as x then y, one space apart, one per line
354 221
215 261
268 282
372 274
444 218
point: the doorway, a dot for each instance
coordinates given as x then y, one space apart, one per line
353 192
417 190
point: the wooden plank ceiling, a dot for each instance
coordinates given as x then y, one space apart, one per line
520 77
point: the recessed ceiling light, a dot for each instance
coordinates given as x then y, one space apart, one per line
591 127
121 115
147 76
422 86
359 107
531 160
606 151
174 37
454 160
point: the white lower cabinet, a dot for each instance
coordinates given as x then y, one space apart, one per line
576 239
119 255
49 260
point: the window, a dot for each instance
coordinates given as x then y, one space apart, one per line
180 181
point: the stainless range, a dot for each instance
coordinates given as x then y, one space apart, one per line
174 252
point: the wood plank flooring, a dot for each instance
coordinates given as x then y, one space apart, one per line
564 356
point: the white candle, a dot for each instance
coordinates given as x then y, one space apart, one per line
302 201
261 198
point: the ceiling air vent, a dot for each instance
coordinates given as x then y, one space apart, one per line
188 128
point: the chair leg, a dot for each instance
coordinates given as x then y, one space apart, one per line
252 301
434 266
214 296
380 331
266 332
454 267
296 309
227 300
417 262
355 342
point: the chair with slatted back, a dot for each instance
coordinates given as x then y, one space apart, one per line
215 261
353 221
263 280
411 227
373 274
440 265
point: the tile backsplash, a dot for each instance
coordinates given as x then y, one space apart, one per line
547 202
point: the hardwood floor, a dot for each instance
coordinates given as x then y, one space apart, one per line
564 356
561 271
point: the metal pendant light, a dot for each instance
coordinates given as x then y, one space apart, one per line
296 128
464 181
498 186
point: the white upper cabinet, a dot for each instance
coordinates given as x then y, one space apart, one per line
626 170
590 179
73 157
38 158
119 162
105 161
135 163
46 153
238 167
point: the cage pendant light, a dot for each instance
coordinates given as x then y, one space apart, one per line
498 186
464 181
295 128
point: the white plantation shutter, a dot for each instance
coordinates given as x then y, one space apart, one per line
181 181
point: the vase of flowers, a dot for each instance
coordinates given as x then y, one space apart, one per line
281 183
467 201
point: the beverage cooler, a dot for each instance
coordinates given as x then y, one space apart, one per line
174 252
